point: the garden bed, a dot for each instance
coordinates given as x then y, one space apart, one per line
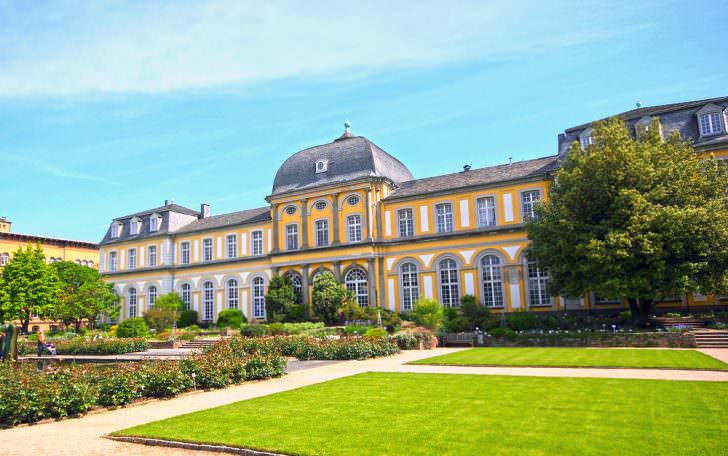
669 339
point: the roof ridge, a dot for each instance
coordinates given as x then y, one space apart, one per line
483 168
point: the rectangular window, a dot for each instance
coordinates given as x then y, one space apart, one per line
486 211
322 233
256 243
232 245
710 123
131 259
586 141
115 231
353 228
113 264
538 280
291 237
184 252
153 224
152 255
528 204
133 227
207 250
406 222
444 217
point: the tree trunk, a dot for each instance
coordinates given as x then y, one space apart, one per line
645 308
25 322
77 324
634 308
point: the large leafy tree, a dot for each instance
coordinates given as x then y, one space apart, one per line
328 297
280 298
28 286
83 294
639 219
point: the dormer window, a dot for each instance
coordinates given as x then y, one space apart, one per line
643 126
154 222
115 230
710 121
322 166
134 225
586 138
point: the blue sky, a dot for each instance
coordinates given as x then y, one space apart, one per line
108 108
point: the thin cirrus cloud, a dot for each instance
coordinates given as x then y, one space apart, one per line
47 168
67 48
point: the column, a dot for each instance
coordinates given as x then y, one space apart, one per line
382 302
304 289
370 281
304 224
379 221
274 209
367 216
275 270
337 271
335 212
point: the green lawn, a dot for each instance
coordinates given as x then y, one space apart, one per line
402 413
579 357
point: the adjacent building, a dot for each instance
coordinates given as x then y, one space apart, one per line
350 208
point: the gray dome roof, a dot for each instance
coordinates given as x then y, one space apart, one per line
348 158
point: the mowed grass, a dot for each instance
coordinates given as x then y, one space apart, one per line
406 414
579 357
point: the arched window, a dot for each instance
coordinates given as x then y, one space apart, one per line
449 283
410 285
232 294
131 302
356 281
538 281
186 296
78 262
113 262
151 296
492 281
4 259
297 282
208 301
258 298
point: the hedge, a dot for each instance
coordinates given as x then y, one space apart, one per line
311 348
66 390
81 346
589 339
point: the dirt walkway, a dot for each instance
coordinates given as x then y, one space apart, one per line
84 435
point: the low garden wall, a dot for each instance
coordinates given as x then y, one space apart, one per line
592 339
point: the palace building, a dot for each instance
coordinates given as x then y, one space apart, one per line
350 208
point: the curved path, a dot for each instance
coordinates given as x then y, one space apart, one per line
85 435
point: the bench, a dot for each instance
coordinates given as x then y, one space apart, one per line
459 339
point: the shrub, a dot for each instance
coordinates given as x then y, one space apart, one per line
123 387
165 379
673 315
160 319
328 295
231 318
279 299
187 318
427 313
297 313
411 339
253 330
376 332
111 346
132 327
169 301
276 329
508 333
521 321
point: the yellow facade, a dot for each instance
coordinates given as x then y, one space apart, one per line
390 238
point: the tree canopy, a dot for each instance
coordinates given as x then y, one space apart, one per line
635 218
28 286
83 294
279 299
328 297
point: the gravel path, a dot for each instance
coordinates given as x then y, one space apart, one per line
85 435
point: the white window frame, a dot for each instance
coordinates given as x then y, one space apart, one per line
231 245
134 225
186 296
409 222
184 252
154 223
409 283
353 228
487 214
322 166
321 231
257 292
232 288
152 295
492 285
208 301
131 259
113 261
449 290
152 255
713 125
115 230
131 302
297 282
537 285
4 259
208 251
256 243
292 241
356 281
528 208
444 217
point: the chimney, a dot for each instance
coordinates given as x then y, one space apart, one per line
466 168
510 160
204 210
166 203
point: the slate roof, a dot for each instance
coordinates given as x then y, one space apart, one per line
349 158
170 207
261 214
476 177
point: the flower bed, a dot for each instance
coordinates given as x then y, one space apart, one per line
311 348
81 346
29 396
676 339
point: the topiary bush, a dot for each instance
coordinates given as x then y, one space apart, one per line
231 318
132 327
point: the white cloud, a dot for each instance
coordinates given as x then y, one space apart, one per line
80 47
48 168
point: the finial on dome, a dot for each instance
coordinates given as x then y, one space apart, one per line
347 131
638 104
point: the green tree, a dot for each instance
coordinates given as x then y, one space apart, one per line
164 313
279 299
328 297
169 301
83 294
28 286
427 313
638 219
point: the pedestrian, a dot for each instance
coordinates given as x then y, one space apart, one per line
41 342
